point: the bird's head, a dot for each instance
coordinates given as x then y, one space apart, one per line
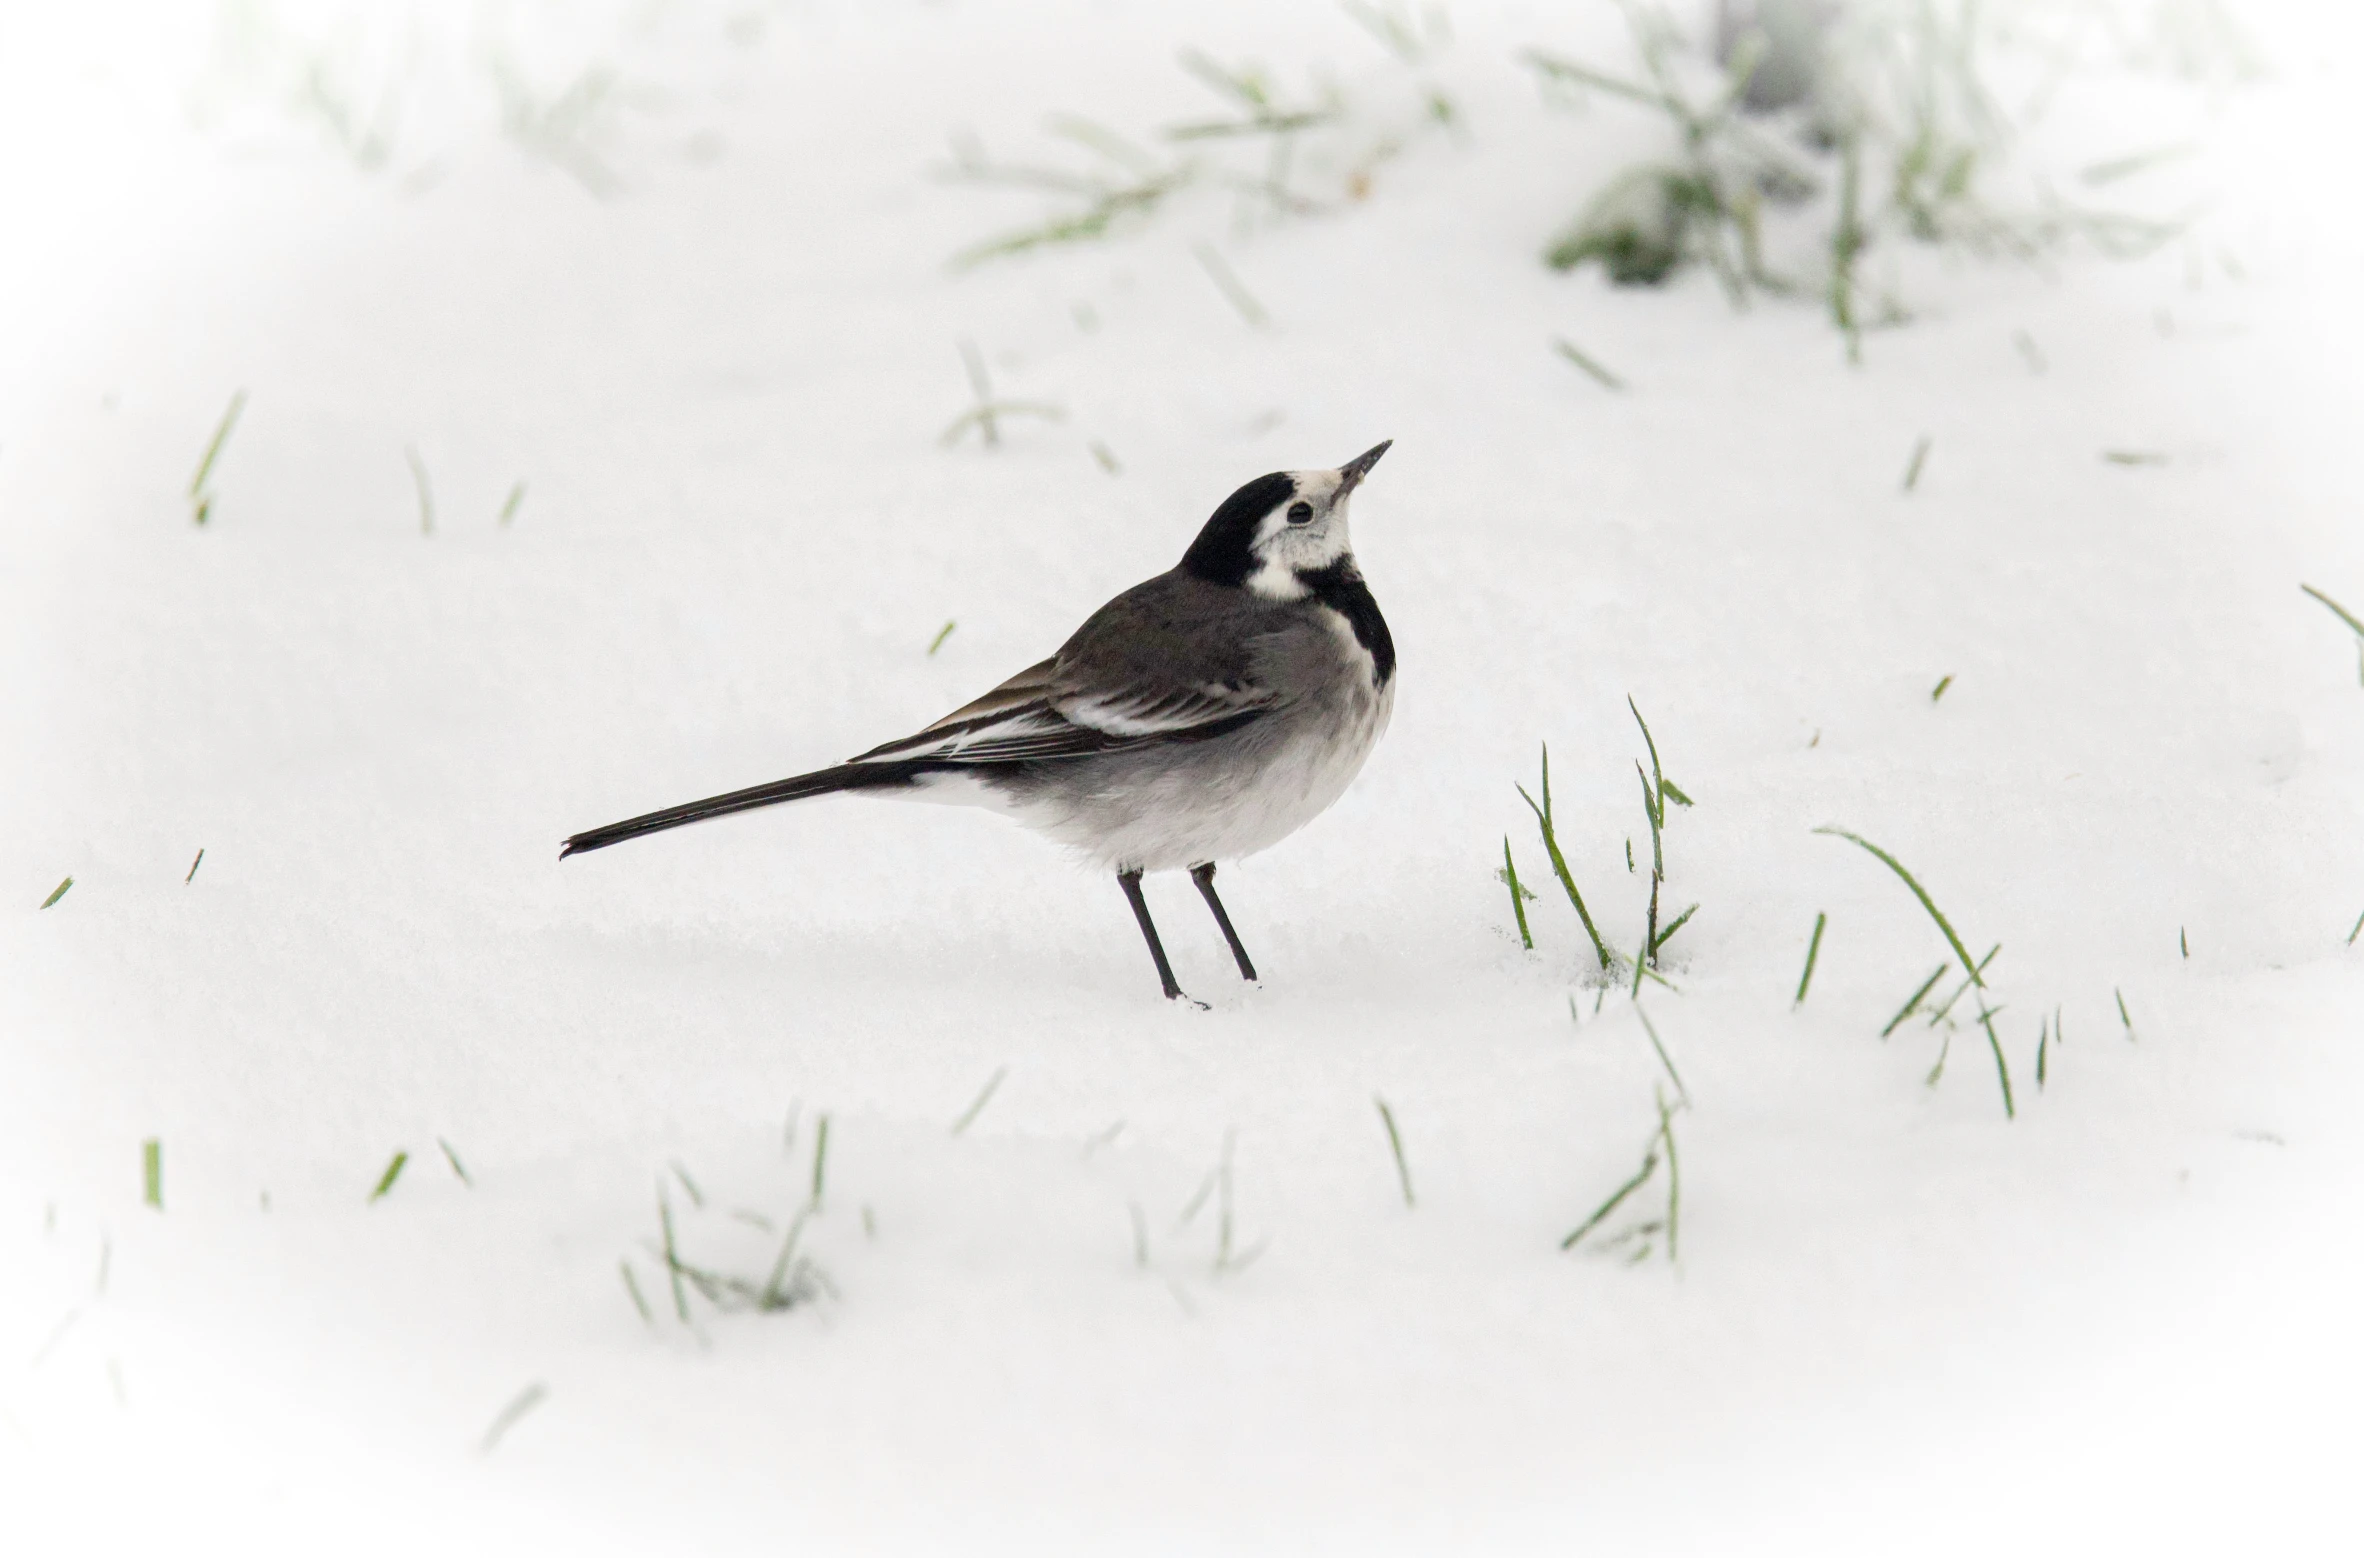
1279 527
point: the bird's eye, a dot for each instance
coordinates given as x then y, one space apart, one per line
1300 513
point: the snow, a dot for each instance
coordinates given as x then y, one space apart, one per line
1898 1321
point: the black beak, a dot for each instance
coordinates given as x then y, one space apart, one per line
1351 474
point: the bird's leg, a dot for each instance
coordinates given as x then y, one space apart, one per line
1130 881
1204 876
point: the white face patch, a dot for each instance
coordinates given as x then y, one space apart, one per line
1283 550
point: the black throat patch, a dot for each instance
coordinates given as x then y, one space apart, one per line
1340 587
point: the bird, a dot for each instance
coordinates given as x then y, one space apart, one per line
1200 716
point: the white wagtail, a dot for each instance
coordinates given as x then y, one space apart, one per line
1201 716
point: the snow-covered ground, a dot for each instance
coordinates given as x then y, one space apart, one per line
1163 1291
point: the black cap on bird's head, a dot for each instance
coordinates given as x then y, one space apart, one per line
1279 526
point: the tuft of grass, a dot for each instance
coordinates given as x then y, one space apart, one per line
525 1401
1655 794
942 634
1912 469
386 1180
1813 951
152 1173
1559 862
510 506
969 1115
1659 1149
193 865
1908 1008
57 892
1519 895
457 1167
418 476
1235 291
1395 1144
1602 376
2002 1068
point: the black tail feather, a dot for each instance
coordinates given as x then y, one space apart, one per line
846 776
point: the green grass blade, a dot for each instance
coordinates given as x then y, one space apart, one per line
1650 807
1664 1059
1667 934
418 476
1616 1197
1674 1184
152 1173
632 1286
57 892
527 1399
1559 866
1927 985
1233 289
1518 906
942 634
1912 470
2340 611
820 1157
1574 354
386 1180
1395 1144
213 450
1986 1020
673 1266
968 1116
1813 951
1658 777
1893 864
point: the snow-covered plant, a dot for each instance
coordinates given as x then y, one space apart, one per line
1804 135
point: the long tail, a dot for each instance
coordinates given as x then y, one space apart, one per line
846 776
